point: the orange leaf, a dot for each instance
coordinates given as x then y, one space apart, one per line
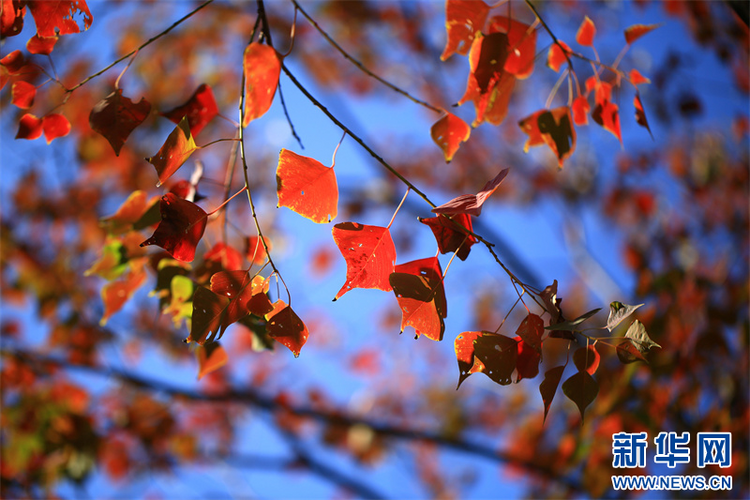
180 229
176 150
556 56
246 295
55 125
463 20
636 31
23 94
29 127
521 45
200 109
468 363
116 116
225 256
130 212
419 290
369 253
471 204
586 32
286 327
41 45
551 127
636 78
116 293
449 238
58 16
607 115
640 114
210 357
256 254
262 67
307 187
580 110
586 359
448 133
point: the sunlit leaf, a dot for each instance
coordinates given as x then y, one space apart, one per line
307 187
636 31
605 113
636 78
262 67
59 16
570 325
640 114
210 357
467 362
225 256
448 133
531 330
449 237
200 109
112 263
419 290
521 45
463 20
554 128
129 213
586 33
586 359
180 229
180 305
471 204
286 327
549 385
116 293
581 110
55 125
14 62
116 116
23 94
369 253
41 45
11 17
556 55
618 312
581 388
176 150
498 354
527 364
256 253
246 295
29 127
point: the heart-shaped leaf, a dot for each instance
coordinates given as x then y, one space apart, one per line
307 187
116 116
581 388
369 253
286 327
180 229
448 133
418 286
549 385
449 235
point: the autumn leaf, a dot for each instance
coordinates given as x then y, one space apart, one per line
255 251
116 293
549 385
586 33
180 305
130 212
636 78
449 237
521 43
210 358
112 263
527 363
11 17
369 253
551 302
531 330
225 256
572 324
586 359
639 339
468 363
556 55
636 31
175 151
581 388
14 62
286 327
471 204
463 20
180 229
41 45
246 295
29 127
448 133
554 128
55 125
498 354
208 312
116 116
200 109
606 113
307 187
419 290
57 16
261 65
618 312
640 114
580 109
23 94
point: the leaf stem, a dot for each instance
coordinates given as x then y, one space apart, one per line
234 139
117 82
333 160
226 201
399 207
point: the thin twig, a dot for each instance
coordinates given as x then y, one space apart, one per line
288 118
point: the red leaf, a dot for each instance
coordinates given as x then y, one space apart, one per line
463 20
640 114
11 17
116 116
208 313
636 31
55 125
180 229
200 109
580 110
262 67
471 204
53 16
116 293
531 330
586 359
586 32
246 295
636 78
521 45
369 253
527 365
14 62
498 354
307 187
41 45
256 253
582 389
419 290
210 357
176 150
226 256
29 127
448 133
449 238
548 387
4 76
23 94
554 128
608 116
468 363
556 55
286 327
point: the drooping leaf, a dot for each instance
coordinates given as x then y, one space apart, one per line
498 354
116 116
606 113
531 330
246 295
40 45
628 353
14 62
570 325
55 125
130 212
471 204
448 133
633 33
369 253
586 33
468 363
180 229
636 78
210 358
521 44
262 67
208 313
419 290
556 55
200 109
286 327
618 312
463 20
11 17
112 263
640 114
581 110
166 270
176 150
116 293
586 359
527 364
23 94
554 128
256 253
58 16
29 127
307 187
581 388
548 387
639 337
449 238
225 256
551 302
